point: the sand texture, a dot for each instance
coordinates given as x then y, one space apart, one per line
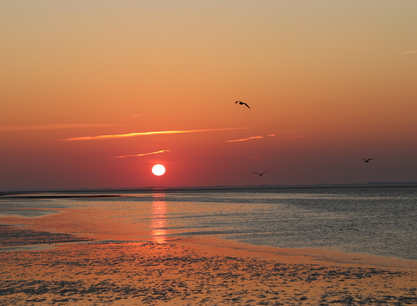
149 273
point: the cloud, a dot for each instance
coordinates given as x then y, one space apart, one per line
128 135
245 139
40 127
143 154
412 51
291 134
133 116
300 129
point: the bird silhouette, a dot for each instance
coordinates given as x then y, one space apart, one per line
260 174
367 160
242 103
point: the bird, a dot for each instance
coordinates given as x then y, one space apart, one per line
242 103
367 160
260 174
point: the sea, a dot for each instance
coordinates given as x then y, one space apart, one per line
374 220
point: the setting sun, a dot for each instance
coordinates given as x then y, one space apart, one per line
158 170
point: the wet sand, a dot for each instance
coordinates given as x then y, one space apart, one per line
194 272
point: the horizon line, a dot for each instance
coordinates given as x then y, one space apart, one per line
11 192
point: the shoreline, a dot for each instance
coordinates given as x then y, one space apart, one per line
298 255
53 213
30 238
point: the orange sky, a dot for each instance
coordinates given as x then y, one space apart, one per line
328 83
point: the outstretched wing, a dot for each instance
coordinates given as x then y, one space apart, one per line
242 103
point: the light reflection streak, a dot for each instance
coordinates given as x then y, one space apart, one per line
159 232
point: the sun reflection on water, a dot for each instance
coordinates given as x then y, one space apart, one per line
159 231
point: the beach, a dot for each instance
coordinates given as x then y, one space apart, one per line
175 249
192 272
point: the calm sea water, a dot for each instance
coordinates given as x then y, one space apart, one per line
369 220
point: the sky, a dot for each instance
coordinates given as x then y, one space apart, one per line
94 93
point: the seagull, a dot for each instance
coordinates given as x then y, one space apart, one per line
260 174
367 160
242 103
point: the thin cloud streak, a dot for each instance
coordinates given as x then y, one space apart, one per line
134 116
301 129
143 154
42 127
128 135
281 133
245 139
412 51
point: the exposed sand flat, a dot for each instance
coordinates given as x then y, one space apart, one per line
133 273
11 236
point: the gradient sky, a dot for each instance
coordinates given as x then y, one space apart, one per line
93 93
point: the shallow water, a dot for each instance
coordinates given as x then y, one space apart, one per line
369 220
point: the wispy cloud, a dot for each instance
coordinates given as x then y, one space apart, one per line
245 139
128 135
287 134
412 51
134 116
297 133
143 154
49 127
301 129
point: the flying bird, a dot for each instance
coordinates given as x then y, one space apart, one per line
260 174
242 103
367 160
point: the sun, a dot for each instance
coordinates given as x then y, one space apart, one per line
158 169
